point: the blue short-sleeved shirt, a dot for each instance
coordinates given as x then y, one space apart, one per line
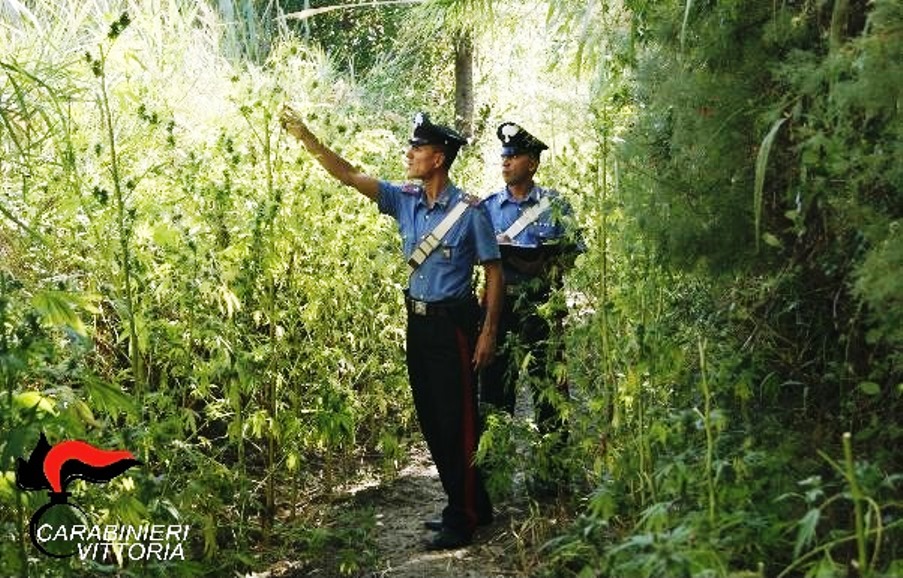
504 209
447 272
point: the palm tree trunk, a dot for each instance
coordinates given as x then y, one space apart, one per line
464 84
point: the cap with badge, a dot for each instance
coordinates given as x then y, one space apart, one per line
425 132
516 140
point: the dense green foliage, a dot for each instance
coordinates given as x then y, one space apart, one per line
165 286
754 302
178 278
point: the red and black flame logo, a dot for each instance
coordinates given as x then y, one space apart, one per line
53 468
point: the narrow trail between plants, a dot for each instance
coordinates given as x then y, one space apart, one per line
400 508
400 504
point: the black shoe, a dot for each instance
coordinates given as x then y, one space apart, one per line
447 539
435 524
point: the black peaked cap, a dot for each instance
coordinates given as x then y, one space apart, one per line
425 132
516 140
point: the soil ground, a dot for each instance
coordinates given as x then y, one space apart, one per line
401 507
507 547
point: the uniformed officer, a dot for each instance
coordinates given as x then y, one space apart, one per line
445 232
538 244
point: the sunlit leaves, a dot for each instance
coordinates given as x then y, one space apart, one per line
62 308
31 400
761 165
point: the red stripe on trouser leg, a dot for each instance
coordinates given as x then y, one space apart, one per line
468 428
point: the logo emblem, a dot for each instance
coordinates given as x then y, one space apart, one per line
54 467
509 131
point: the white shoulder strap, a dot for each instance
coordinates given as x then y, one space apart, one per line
434 238
527 217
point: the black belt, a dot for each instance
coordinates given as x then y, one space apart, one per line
440 309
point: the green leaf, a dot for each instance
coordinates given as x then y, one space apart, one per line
165 235
761 165
7 485
870 388
58 308
30 399
806 533
84 413
771 240
109 397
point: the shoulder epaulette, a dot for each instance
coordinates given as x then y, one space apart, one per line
489 197
411 189
471 200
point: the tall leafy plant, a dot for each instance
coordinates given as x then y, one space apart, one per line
121 189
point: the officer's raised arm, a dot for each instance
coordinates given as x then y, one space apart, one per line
329 159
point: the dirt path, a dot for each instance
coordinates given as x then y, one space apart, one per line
397 507
402 506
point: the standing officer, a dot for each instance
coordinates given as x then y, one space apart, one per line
444 232
537 245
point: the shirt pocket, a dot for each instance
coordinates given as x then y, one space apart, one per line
448 252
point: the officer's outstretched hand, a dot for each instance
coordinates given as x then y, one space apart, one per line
291 121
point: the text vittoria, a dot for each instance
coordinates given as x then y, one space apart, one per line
120 541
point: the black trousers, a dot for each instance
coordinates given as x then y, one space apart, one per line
522 329
439 359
